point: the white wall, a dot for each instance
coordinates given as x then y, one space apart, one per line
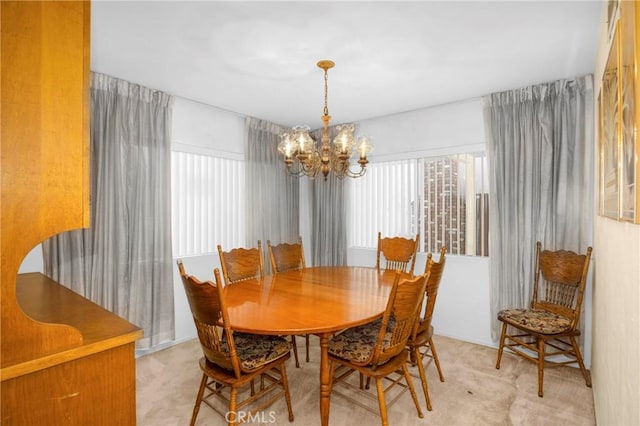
615 368
33 261
446 129
203 129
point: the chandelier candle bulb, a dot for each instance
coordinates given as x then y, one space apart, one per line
364 147
297 143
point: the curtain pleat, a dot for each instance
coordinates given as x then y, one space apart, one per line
272 195
123 262
329 215
539 144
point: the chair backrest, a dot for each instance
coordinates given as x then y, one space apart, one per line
403 306
286 257
399 253
241 264
206 300
435 270
559 282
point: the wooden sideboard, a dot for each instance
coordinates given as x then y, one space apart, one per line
63 359
89 384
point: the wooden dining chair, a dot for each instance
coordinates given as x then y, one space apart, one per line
420 342
553 318
241 264
397 253
379 349
286 257
233 361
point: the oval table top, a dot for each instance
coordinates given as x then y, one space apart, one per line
308 301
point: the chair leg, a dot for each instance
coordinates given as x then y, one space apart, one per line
306 339
576 349
285 385
381 402
407 377
501 347
233 396
196 408
435 359
541 344
415 352
332 373
295 350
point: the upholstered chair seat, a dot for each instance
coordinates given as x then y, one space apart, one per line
536 320
356 344
254 350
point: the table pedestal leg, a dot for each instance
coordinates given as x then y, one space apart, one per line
325 386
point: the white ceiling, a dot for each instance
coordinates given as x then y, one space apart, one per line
259 58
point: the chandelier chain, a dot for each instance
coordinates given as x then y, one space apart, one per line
326 91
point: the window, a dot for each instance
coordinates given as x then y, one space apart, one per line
207 203
444 198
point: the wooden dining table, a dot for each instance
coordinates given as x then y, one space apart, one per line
318 300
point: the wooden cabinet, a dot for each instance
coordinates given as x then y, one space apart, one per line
92 383
60 354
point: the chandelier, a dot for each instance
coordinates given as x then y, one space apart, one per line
297 145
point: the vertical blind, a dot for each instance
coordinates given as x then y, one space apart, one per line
384 200
208 206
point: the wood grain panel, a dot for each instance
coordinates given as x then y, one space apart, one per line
94 390
45 152
65 360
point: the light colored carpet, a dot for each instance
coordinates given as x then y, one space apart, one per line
474 393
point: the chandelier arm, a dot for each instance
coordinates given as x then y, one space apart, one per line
297 173
354 175
345 170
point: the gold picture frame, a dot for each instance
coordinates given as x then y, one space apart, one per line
619 148
612 11
609 132
628 115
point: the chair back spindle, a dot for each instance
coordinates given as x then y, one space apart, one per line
560 281
398 253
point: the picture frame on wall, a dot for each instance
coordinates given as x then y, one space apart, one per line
628 113
618 145
612 11
609 132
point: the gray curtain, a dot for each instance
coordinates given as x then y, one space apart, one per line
123 262
539 144
328 201
272 195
